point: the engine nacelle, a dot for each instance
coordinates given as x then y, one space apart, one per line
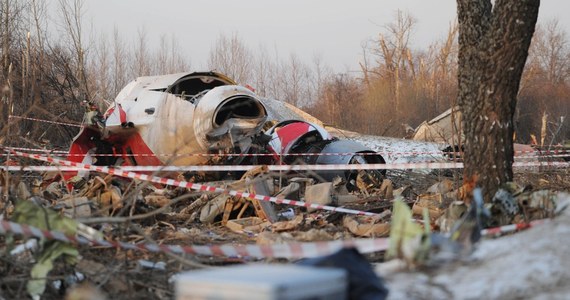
227 117
299 142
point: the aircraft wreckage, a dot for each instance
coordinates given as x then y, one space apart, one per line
175 119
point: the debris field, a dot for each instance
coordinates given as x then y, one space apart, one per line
130 211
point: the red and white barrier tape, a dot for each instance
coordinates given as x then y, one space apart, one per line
47 151
220 168
67 154
45 121
290 250
305 154
518 154
511 227
193 186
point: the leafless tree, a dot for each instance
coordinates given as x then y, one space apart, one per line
395 53
543 97
167 58
294 74
141 56
550 50
102 79
230 56
120 58
263 70
71 13
321 74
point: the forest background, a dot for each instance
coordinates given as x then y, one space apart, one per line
52 74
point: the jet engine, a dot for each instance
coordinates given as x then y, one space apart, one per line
228 117
300 142
171 119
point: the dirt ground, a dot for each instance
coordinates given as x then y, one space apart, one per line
108 273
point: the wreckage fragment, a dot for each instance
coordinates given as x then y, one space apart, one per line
513 203
417 246
213 208
258 183
287 225
190 113
437 200
320 193
263 282
451 215
247 225
366 226
79 207
294 142
432 202
176 119
111 197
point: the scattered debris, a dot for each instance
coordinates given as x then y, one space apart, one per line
176 215
432 222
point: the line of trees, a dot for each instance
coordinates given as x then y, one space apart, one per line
51 68
399 87
50 65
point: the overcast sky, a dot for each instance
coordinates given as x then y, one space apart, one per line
333 29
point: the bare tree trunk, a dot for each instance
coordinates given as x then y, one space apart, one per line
72 14
493 47
543 128
6 37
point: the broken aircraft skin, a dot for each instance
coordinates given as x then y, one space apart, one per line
170 119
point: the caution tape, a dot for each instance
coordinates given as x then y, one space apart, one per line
222 168
557 154
45 121
47 151
189 185
512 227
289 250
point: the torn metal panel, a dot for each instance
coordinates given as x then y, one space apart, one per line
445 128
318 193
256 182
350 155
